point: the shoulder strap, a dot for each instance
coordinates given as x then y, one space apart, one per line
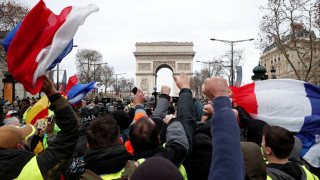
89 175
129 169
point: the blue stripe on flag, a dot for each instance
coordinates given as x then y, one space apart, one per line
63 54
80 89
311 123
8 39
307 141
313 93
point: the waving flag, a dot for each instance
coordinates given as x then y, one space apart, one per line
73 80
79 91
41 39
292 104
38 111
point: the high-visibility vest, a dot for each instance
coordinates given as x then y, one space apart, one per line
30 171
112 176
25 115
309 175
264 158
181 169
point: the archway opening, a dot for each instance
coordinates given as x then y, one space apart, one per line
164 77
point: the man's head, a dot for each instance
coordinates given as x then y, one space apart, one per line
25 103
143 135
15 103
103 132
277 142
12 113
14 137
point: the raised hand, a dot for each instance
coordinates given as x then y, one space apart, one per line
183 81
215 87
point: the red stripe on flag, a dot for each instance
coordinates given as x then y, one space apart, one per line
42 114
245 97
73 80
35 33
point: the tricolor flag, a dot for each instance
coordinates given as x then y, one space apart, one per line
79 91
42 39
292 104
73 80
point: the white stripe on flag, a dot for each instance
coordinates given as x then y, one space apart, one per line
283 98
63 36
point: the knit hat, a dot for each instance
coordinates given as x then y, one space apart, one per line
121 118
157 168
296 150
11 135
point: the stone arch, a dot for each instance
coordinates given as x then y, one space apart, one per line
157 69
151 57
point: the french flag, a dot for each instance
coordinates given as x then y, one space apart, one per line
40 41
80 91
292 104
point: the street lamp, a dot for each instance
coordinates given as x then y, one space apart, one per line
273 72
94 69
58 70
232 44
117 80
209 63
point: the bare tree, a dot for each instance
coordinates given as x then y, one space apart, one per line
89 65
125 84
225 61
12 12
107 76
218 67
289 26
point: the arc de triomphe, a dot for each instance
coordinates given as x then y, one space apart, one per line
152 56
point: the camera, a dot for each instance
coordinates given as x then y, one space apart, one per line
134 90
175 99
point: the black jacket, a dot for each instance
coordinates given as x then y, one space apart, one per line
54 159
289 170
107 161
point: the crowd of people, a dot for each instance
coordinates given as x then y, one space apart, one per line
188 139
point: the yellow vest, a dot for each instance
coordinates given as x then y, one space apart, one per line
30 171
310 176
112 176
181 169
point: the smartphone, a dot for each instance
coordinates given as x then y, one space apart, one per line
40 124
134 90
50 119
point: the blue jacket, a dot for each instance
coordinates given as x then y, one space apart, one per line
227 160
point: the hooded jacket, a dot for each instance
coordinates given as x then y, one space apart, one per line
107 161
287 171
255 165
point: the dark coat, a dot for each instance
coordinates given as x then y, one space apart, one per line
55 158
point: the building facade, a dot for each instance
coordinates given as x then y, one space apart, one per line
273 57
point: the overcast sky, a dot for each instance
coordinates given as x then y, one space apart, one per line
118 25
